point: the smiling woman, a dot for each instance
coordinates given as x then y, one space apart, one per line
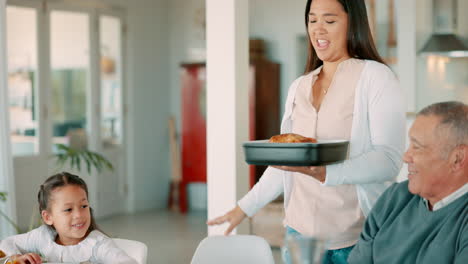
350 31
346 93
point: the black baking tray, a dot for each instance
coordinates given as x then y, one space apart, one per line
261 152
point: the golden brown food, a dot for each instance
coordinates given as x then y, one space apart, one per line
2 254
291 138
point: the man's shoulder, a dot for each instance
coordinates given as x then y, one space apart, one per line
399 189
395 197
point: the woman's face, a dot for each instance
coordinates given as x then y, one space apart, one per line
328 27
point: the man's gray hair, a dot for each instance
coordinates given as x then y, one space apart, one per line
454 117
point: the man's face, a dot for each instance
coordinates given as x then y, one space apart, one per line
427 166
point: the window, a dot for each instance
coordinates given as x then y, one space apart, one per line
69 81
22 79
111 81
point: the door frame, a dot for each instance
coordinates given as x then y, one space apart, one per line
7 181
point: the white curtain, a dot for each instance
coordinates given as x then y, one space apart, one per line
6 162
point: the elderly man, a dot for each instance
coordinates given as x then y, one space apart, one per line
424 219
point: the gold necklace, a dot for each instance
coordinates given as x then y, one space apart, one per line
325 91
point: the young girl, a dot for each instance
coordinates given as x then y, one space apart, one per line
69 234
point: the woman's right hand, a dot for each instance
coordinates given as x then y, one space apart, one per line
234 217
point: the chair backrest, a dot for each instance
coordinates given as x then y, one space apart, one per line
134 249
235 249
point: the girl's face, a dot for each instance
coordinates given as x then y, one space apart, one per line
69 213
328 27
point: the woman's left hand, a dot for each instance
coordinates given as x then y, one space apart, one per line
318 172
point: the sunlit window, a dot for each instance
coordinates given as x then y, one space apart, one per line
69 80
111 81
22 79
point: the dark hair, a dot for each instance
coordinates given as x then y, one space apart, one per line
453 116
61 180
360 43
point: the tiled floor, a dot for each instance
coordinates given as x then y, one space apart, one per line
171 237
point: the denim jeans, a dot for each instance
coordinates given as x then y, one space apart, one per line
337 256
334 256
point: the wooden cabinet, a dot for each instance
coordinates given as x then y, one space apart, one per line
263 117
264 105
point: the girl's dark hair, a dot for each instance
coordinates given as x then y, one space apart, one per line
360 43
61 180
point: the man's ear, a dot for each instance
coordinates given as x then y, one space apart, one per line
47 217
459 157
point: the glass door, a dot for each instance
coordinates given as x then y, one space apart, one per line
111 80
66 86
69 53
24 22
113 185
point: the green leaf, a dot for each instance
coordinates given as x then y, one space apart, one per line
88 162
3 196
74 157
61 158
94 161
78 161
97 161
62 147
109 165
73 160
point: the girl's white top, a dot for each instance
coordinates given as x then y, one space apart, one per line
95 248
376 144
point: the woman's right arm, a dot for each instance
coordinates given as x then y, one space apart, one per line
268 188
270 185
264 191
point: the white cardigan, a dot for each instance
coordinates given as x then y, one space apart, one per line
376 144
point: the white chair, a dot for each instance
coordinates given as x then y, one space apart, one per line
235 249
133 248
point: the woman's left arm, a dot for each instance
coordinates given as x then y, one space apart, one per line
386 124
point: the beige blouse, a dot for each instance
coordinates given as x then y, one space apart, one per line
314 209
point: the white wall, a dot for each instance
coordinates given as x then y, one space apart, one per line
185 39
149 102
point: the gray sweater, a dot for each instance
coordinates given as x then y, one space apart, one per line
400 229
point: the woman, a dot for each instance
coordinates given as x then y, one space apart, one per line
347 92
